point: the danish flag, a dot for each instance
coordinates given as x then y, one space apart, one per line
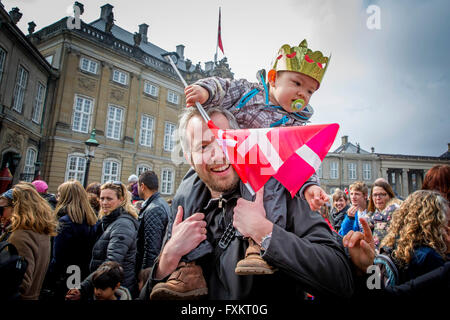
289 154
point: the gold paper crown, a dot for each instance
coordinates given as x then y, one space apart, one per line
301 59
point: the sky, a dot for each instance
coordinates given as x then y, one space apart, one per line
387 84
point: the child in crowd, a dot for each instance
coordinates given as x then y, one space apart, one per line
283 101
358 197
106 280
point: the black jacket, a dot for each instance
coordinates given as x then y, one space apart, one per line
153 219
117 242
72 246
336 217
308 257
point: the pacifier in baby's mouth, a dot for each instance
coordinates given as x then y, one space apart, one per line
298 105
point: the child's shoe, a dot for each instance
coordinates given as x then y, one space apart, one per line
253 264
186 282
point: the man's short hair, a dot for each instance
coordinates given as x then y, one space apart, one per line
359 186
187 115
150 179
108 275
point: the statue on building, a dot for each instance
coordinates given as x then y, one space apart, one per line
137 39
109 22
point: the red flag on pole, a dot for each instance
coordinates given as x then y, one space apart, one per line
219 37
289 154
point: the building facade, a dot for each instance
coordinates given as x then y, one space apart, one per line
27 84
119 84
350 163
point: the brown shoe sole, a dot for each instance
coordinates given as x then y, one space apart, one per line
166 294
246 271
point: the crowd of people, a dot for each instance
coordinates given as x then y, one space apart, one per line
97 230
115 245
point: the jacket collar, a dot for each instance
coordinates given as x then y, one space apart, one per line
149 200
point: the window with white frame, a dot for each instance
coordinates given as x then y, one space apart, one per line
150 89
88 65
173 97
167 179
142 168
114 122
76 167
169 129
352 171
19 90
367 171
334 170
111 170
146 134
82 111
120 77
30 160
38 103
2 62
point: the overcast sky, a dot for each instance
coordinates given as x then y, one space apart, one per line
388 88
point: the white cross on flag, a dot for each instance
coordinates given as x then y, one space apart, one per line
289 154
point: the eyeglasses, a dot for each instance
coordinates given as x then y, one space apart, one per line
379 195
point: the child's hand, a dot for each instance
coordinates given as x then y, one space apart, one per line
316 197
194 93
73 294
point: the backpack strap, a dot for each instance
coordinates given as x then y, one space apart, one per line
8 246
389 268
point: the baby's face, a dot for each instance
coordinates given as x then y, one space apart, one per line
290 86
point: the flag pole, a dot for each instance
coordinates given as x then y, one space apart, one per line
217 43
202 111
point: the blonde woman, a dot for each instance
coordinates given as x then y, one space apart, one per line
417 236
32 225
76 235
118 227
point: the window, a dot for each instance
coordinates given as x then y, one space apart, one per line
30 159
334 170
169 130
352 171
88 65
82 111
142 168
120 77
367 171
2 62
19 90
114 122
76 166
38 103
150 89
173 97
146 135
167 181
111 171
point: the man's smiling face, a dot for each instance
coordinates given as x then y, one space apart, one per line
207 157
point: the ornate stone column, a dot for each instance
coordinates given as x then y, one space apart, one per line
405 189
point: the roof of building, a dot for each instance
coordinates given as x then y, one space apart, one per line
128 37
350 148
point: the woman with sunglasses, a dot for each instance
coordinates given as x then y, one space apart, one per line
382 204
117 230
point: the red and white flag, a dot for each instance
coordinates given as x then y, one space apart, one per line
289 154
219 36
